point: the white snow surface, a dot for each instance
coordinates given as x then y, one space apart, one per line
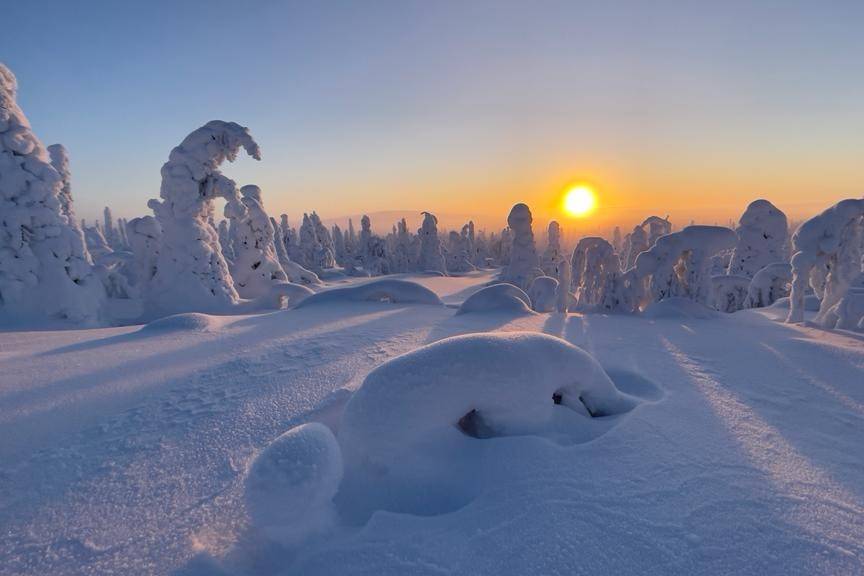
129 451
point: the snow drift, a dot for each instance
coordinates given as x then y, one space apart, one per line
502 297
395 291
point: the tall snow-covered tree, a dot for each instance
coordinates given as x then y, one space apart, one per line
45 269
256 267
762 233
552 255
431 258
192 274
524 265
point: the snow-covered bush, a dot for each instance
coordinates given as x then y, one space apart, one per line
828 251
848 313
762 232
679 264
729 292
769 285
431 258
524 265
191 274
386 290
290 485
45 269
502 297
543 293
552 255
255 267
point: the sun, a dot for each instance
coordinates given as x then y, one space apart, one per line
580 201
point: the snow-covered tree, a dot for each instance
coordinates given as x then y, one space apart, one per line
295 272
762 233
637 244
768 285
596 276
97 244
617 241
60 162
45 269
108 229
552 255
324 257
524 265
431 258
729 292
679 264
338 245
828 251
145 238
657 227
225 240
192 274
256 267
459 253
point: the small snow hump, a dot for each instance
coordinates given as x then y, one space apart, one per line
502 297
291 483
392 291
188 322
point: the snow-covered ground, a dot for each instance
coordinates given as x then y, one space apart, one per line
125 450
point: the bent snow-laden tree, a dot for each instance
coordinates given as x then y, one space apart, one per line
45 269
762 232
657 227
827 253
679 264
524 265
256 267
191 273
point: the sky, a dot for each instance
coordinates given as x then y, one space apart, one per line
690 109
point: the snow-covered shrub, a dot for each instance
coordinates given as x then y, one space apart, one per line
729 292
45 269
762 233
552 255
679 264
502 297
191 274
848 313
256 267
386 290
405 430
431 258
543 293
768 285
291 484
524 265
828 251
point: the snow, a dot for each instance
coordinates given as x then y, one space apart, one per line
544 294
387 290
769 285
762 233
501 297
291 484
128 451
524 265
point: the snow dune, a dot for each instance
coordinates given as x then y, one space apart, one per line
127 450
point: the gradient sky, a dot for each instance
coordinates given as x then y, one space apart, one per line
683 108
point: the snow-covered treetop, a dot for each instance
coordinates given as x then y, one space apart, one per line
60 161
519 219
191 176
707 240
823 233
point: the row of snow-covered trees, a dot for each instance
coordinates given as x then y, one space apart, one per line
184 258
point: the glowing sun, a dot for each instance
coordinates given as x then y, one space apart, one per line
580 201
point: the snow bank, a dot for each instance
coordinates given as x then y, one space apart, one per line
828 251
388 290
678 308
503 297
291 484
45 269
543 293
188 322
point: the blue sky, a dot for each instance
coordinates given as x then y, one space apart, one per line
688 107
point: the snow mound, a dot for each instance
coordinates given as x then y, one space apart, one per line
678 307
291 483
395 291
187 322
501 297
811 303
410 434
544 293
